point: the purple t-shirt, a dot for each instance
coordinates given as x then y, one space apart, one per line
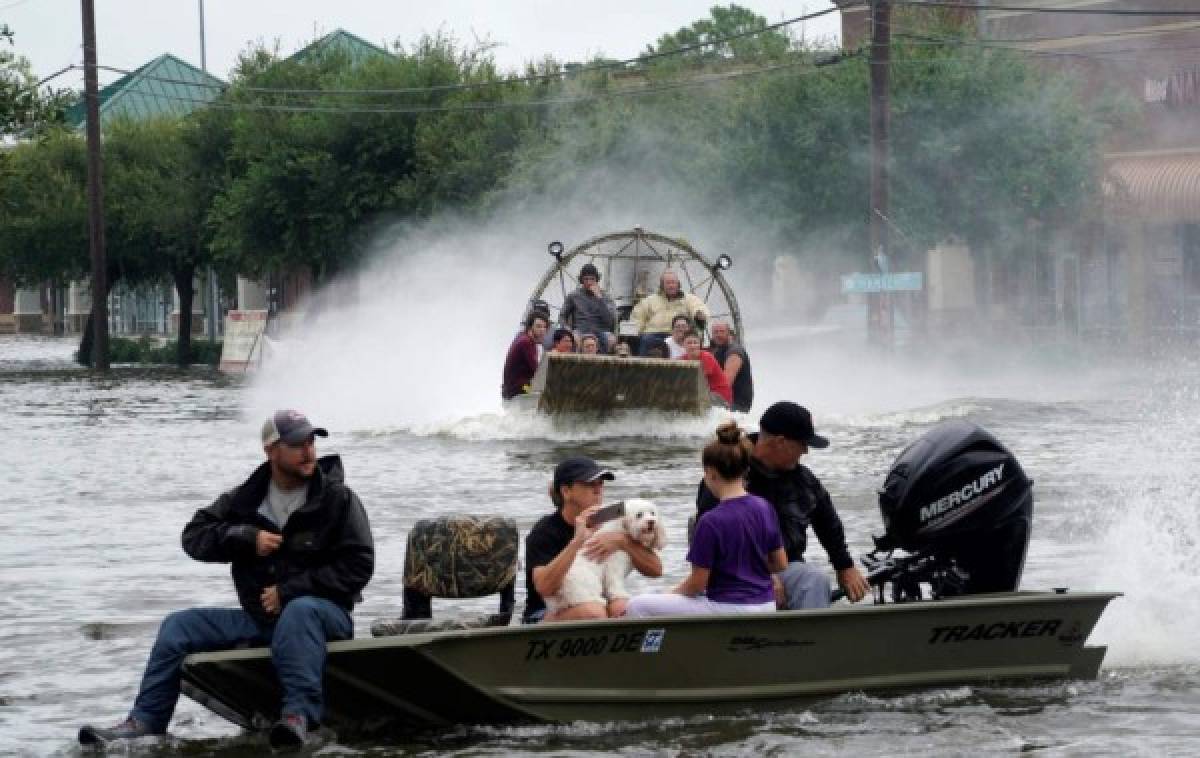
733 541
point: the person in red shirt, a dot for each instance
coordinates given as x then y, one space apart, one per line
718 383
522 361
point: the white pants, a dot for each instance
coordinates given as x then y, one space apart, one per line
671 604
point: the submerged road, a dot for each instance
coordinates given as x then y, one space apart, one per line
98 476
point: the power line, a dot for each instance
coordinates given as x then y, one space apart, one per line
1042 9
987 44
496 106
56 74
582 70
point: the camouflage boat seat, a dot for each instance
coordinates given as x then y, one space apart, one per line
456 556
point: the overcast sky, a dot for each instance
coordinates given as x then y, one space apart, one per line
132 32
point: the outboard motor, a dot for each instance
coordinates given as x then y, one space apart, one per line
959 504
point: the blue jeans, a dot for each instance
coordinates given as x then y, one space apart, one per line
297 643
806 586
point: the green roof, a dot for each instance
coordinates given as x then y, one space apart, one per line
340 42
166 86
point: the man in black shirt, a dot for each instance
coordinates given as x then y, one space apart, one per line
736 365
785 434
558 537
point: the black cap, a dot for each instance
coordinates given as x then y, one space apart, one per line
589 269
579 468
290 428
787 419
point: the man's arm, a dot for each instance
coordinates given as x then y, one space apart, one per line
827 525
733 364
211 537
639 315
351 566
610 312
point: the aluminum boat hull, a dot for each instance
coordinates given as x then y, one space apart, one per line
646 668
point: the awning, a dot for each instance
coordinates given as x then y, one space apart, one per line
1156 186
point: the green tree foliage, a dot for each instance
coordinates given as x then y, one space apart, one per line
43 209
155 193
307 188
154 210
723 23
24 109
982 141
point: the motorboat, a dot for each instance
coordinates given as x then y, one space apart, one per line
947 610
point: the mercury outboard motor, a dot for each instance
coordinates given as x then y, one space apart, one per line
958 503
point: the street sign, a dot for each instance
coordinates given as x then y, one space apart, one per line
900 281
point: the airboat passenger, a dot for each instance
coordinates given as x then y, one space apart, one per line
785 434
735 363
589 344
736 547
653 314
523 356
654 346
542 307
718 385
589 309
564 341
556 539
679 328
622 350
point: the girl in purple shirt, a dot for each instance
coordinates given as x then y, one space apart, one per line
736 547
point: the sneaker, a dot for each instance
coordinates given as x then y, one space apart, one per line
129 729
289 731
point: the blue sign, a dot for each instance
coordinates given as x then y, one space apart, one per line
901 281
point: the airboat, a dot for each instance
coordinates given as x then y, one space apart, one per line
947 611
630 264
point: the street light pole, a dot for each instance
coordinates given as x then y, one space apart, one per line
213 298
879 322
95 192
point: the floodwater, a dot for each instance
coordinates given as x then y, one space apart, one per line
98 476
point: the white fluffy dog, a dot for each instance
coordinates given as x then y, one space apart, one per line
589 581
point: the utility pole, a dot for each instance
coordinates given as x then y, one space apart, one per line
879 316
213 299
95 193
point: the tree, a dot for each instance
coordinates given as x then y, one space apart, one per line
156 203
307 189
982 140
43 223
23 108
153 215
722 23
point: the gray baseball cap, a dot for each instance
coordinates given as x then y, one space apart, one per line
289 427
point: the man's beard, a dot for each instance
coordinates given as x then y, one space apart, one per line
295 471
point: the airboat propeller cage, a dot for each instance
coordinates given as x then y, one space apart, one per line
957 493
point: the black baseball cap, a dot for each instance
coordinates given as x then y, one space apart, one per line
786 419
579 468
290 428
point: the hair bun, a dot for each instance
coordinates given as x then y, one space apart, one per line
729 433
